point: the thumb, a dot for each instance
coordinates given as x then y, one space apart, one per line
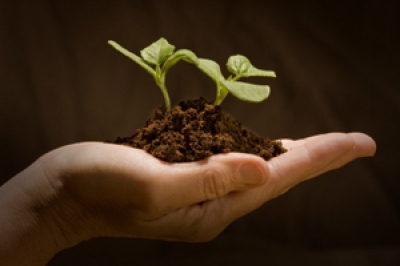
212 178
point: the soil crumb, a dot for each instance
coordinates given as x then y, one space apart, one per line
196 129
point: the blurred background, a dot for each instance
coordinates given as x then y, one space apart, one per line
337 65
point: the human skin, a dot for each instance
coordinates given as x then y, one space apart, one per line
87 190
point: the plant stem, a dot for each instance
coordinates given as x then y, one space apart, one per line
221 94
236 78
166 96
160 81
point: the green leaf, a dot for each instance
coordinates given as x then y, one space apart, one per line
182 54
132 56
246 91
242 67
211 69
158 52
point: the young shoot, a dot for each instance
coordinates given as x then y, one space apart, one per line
241 67
160 56
157 59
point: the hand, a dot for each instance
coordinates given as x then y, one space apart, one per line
110 190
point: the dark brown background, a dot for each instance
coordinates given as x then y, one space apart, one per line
338 70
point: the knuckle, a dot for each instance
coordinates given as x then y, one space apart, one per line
216 183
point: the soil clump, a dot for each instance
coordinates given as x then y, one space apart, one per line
196 129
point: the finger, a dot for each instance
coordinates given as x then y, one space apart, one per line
190 183
290 144
364 146
315 156
318 154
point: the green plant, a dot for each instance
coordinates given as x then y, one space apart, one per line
157 59
160 56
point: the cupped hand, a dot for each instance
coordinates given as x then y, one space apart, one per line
113 190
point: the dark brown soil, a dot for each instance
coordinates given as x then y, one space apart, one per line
194 130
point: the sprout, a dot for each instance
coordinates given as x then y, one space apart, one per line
157 59
240 66
160 56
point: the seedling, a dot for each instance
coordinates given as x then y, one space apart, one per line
160 56
157 59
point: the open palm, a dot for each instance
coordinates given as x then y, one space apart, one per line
120 191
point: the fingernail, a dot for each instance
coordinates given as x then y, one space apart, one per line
249 174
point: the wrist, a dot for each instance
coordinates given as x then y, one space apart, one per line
38 218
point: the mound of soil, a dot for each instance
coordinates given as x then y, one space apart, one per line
196 129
